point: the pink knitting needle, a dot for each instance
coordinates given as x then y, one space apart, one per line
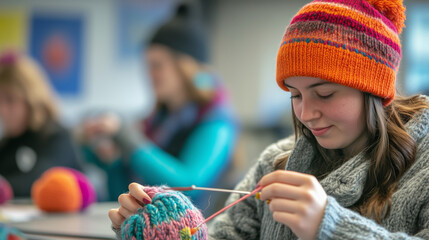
195 229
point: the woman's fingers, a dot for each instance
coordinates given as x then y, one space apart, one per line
286 205
129 202
297 200
125 212
136 190
116 218
287 177
280 190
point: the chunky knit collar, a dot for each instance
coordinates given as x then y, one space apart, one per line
346 182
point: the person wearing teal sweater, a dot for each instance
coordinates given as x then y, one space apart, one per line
357 166
189 138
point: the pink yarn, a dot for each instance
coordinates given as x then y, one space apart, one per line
6 192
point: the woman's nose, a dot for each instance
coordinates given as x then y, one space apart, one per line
309 111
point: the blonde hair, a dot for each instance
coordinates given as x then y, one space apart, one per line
390 150
24 76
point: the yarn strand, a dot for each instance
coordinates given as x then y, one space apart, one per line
195 229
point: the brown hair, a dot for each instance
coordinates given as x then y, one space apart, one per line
390 148
27 78
188 68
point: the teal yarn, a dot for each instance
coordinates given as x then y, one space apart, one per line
164 218
10 233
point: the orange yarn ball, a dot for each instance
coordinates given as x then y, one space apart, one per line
57 191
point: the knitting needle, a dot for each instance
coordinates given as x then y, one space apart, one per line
193 187
256 191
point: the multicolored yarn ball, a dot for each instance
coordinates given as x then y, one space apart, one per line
168 216
6 192
355 43
9 233
63 189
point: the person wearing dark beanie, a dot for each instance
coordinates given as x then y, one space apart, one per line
190 136
184 33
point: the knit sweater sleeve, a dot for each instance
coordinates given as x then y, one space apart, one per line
341 223
243 220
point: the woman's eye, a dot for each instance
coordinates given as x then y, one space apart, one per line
325 96
295 96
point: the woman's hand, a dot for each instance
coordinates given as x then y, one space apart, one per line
97 132
297 200
104 125
129 204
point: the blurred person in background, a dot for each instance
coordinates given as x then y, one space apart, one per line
32 139
191 134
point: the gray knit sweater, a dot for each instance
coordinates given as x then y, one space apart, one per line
409 217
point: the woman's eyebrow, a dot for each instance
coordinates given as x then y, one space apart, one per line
312 85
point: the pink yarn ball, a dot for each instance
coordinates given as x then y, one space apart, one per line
6 192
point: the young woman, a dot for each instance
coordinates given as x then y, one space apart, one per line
190 136
357 167
32 138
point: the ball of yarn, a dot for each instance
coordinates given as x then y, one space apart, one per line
62 189
164 218
393 10
89 195
6 192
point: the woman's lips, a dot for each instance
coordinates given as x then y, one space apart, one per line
317 132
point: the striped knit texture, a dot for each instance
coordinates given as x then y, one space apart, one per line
164 218
351 42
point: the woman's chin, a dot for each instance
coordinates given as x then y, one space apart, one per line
328 143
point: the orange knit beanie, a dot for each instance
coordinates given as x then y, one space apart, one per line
350 42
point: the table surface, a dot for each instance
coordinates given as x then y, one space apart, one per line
93 223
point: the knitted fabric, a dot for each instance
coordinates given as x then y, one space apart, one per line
164 218
9 233
351 42
6 192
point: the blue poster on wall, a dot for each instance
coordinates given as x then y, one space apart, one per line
417 74
56 42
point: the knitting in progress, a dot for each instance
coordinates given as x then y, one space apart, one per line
170 215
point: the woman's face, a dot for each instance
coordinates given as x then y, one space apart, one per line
164 73
13 112
334 113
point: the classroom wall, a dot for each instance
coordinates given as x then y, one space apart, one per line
245 35
109 83
244 38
